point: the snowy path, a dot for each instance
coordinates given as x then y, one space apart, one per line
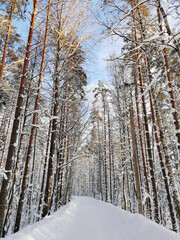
88 219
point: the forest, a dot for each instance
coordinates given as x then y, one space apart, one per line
122 145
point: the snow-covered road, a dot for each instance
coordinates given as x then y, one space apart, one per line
88 219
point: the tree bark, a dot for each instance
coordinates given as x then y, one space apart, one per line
168 29
169 78
142 148
110 155
4 119
6 135
7 39
105 151
136 164
44 169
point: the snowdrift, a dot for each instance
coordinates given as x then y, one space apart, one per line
88 219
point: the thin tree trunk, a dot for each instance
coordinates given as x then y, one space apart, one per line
168 29
6 135
3 126
99 159
47 196
62 150
31 185
105 153
130 173
7 39
113 172
65 153
67 168
142 148
124 191
110 156
60 155
128 181
169 78
136 164
44 169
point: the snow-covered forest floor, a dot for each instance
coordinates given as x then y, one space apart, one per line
89 219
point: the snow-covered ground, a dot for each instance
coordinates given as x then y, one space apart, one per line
88 219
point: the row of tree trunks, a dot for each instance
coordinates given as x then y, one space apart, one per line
148 142
53 145
20 200
158 143
34 122
14 135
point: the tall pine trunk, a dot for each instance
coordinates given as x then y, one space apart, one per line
7 39
110 155
148 202
105 149
169 78
136 163
45 168
6 134
99 159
